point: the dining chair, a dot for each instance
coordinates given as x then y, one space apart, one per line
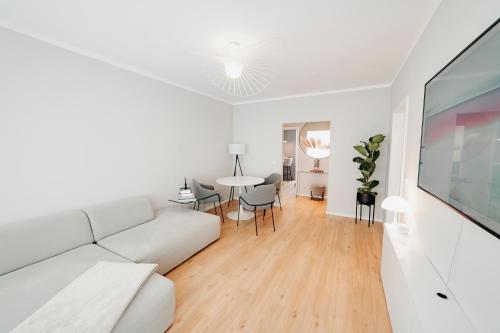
274 178
206 194
259 198
287 168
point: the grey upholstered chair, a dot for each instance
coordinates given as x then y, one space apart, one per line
274 178
260 198
206 194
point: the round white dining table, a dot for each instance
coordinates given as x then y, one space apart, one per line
240 182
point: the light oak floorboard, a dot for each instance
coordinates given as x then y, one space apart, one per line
316 273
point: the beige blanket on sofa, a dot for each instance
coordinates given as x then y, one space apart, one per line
94 302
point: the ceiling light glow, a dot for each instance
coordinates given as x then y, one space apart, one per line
237 70
233 69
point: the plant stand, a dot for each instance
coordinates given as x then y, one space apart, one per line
362 201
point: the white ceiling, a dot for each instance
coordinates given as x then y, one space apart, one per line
315 46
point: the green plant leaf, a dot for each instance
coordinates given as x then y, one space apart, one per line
372 167
365 166
372 147
360 149
366 173
377 138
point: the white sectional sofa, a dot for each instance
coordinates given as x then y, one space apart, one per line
39 257
172 235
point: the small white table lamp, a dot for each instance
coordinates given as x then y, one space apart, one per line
397 205
236 149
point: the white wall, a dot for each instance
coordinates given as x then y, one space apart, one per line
75 131
439 229
354 116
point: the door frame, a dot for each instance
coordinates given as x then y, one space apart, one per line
395 186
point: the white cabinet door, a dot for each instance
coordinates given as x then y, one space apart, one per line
411 284
396 291
475 277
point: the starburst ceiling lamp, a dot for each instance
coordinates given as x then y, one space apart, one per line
236 75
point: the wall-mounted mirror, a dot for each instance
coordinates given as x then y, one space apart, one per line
314 139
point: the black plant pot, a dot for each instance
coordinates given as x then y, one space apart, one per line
366 198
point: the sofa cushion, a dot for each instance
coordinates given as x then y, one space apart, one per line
112 217
172 237
27 289
27 242
152 310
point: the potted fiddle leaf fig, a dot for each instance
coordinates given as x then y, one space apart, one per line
369 152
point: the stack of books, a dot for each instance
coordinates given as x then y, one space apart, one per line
185 195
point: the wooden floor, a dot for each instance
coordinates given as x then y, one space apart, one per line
316 273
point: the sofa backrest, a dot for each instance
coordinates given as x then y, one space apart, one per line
110 218
26 242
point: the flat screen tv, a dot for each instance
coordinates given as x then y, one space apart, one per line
460 144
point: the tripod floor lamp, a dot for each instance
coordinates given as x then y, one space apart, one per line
236 149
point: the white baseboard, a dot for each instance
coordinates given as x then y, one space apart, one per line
309 195
347 215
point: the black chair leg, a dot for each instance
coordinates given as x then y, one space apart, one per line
231 192
238 221
279 200
221 211
255 218
272 214
264 215
215 208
